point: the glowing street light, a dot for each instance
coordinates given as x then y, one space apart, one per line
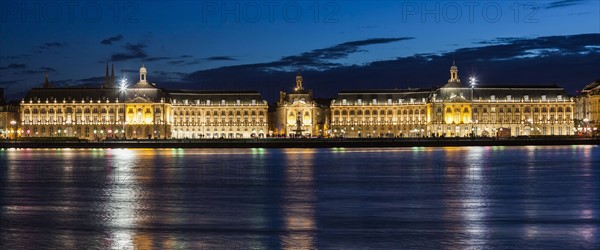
123 84
473 81
13 123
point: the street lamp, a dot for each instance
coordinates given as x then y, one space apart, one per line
13 123
123 84
586 129
123 89
473 83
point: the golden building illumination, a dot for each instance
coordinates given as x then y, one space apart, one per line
143 111
454 110
588 109
140 111
380 113
298 114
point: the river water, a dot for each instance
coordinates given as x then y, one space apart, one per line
534 197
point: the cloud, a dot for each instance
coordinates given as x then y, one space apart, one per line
41 70
151 59
501 61
134 51
14 57
48 69
220 58
564 3
11 82
51 45
177 62
111 40
14 66
131 71
320 58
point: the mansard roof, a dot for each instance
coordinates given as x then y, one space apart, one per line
593 86
382 95
516 92
70 94
214 95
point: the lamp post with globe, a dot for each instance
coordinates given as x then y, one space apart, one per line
473 83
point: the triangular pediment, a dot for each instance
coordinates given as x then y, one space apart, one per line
457 98
139 99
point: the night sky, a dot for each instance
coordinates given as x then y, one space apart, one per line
260 45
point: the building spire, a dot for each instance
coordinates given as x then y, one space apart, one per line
454 73
106 79
112 76
298 82
46 82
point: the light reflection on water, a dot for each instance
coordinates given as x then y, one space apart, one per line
426 198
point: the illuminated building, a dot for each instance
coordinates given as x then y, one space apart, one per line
588 108
8 118
140 111
484 110
454 110
380 113
216 114
298 114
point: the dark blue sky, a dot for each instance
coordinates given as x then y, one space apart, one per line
259 45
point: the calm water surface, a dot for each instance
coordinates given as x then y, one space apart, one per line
378 198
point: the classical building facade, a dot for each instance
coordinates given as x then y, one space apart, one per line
588 109
380 113
218 114
9 118
140 111
298 114
454 110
